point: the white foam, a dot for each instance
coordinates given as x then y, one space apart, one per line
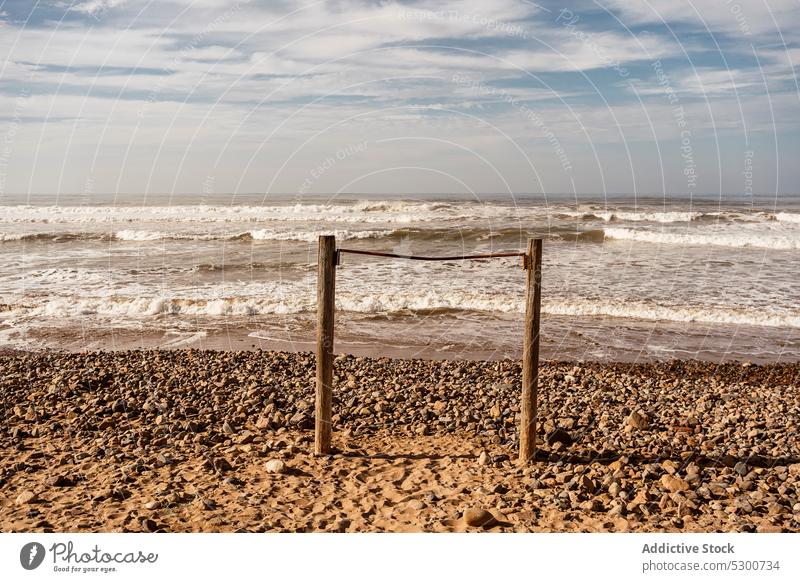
790 217
730 238
701 314
266 299
312 236
259 234
622 216
361 212
138 235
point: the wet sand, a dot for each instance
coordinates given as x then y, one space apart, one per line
189 440
467 337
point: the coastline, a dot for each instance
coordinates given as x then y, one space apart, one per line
592 339
179 440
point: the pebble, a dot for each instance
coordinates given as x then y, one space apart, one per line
60 481
26 497
734 427
222 465
638 420
674 484
275 466
560 435
476 517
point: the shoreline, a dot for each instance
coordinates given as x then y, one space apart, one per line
182 440
594 339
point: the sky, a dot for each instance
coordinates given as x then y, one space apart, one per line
457 96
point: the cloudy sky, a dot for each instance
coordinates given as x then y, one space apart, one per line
605 96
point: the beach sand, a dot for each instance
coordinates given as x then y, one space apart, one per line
189 440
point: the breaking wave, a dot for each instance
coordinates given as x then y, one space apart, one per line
300 299
755 239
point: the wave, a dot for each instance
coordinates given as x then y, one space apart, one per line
621 216
311 235
298 299
137 235
361 212
687 314
265 234
740 239
392 212
790 217
52 236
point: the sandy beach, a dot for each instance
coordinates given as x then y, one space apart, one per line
190 440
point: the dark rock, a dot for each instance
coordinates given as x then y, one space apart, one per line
560 435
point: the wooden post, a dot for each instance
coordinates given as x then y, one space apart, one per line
530 353
326 295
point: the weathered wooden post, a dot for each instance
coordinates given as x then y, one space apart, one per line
326 296
530 352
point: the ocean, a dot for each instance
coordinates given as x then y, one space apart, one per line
624 278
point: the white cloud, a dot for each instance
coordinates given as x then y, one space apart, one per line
95 7
247 81
719 16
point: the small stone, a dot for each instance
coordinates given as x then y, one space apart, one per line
302 420
476 517
149 525
227 428
221 464
670 467
275 466
743 504
560 435
152 505
416 505
119 405
483 459
776 508
26 497
638 420
587 484
60 481
741 468
769 528
674 484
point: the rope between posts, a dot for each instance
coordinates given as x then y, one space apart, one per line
423 258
